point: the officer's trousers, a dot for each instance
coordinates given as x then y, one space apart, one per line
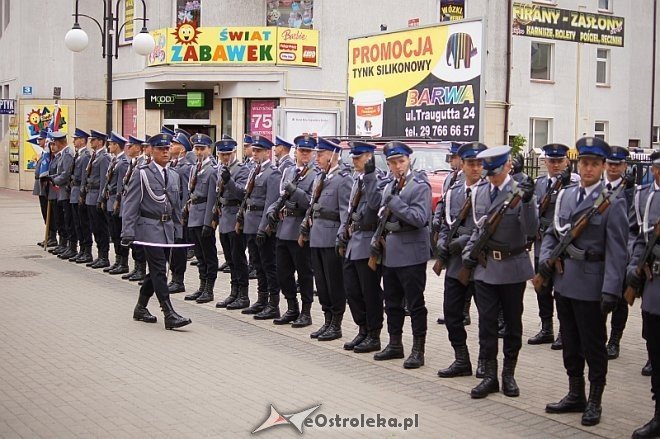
114 225
409 283
137 251
43 205
66 228
651 333
206 253
156 280
364 294
490 298
620 315
81 221
329 280
99 228
179 255
233 247
545 299
291 259
453 305
584 335
264 262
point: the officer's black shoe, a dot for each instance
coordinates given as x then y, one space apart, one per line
198 293
592 412
416 358
229 299
272 309
242 300
481 370
489 384
647 370
557 345
369 344
141 313
122 267
650 429
52 242
113 266
392 351
259 305
172 319
613 344
207 294
130 273
58 248
102 262
70 251
574 402
63 248
305 317
75 257
334 330
93 262
291 314
86 257
441 320
461 367
176 284
359 338
509 385
328 318
140 273
545 335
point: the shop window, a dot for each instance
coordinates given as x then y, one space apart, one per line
605 5
290 13
603 67
656 135
189 11
539 132
600 129
227 117
542 61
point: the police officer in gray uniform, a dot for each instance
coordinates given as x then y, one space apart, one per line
152 215
591 283
52 191
457 199
505 267
281 154
362 284
232 178
546 192
407 250
96 171
200 220
328 213
62 180
117 169
78 212
284 218
39 187
647 207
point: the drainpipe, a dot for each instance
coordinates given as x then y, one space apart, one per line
507 96
653 67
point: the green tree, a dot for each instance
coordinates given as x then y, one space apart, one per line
518 144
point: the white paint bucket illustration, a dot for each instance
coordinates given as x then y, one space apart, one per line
369 113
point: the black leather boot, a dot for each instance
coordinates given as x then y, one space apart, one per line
392 351
557 345
78 254
272 309
140 273
359 338
334 330
369 344
574 402
122 267
489 384
258 306
229 299
86 258
176 284
59 248
613 344
172 319
647 370
650 429
305 317
481 369
207 293
509 385
71 250
592 412
242 300
130 273
103 260
466 311
198 293
291 314
328 318
545 335
113 266
52 242
416 358
461 367
141 313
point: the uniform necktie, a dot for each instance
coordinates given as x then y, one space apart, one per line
549 184
165 176
609 186
494 193
583 193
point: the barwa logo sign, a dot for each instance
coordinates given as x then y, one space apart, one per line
421 82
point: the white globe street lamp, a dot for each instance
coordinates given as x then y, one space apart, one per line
143 43
76 40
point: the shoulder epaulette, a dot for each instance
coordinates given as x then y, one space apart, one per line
641 187
143 166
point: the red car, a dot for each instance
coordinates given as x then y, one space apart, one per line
429 155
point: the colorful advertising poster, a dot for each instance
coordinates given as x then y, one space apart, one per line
290 13
452 10
13 146
37 117
531 20
260 115
235 45
421 82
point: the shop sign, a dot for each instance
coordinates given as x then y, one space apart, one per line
157 99
452 10
7 106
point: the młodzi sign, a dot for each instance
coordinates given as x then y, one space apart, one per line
178 99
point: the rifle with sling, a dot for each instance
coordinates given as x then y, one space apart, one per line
217 206
124 189
286 197
453 230
106 188
643 270
307 219
185 213
352 209
240 216
384 216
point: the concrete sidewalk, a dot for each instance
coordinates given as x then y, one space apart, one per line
74 364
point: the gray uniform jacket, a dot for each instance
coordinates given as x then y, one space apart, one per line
96 180
454 201
284 163
203 197
184 166
151 213
605 238
331 210
540 189
122 183
411 208
232 194
518 225
63 177
121 166
365 216
78 171
288 228
647 205
265 192
53 190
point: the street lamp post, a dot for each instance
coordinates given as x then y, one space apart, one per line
77 40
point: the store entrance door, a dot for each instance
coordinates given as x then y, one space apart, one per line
192 127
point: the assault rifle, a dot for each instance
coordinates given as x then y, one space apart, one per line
306 224
453 230
352 208
284 198
385 214
217 207
642 270
185 213
240 216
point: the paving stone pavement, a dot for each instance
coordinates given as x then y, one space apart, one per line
74 364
